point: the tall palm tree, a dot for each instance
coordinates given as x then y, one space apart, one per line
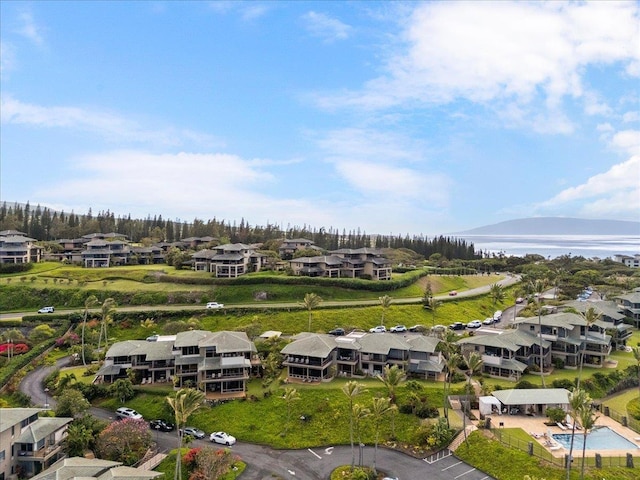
311 301
496 293
578 399
537 288
185 402
290 395
352 389
380 407
385 303
590 316
90 301
360 412
107 310
451 364
636 355
473 362
588 420
433 306
391 377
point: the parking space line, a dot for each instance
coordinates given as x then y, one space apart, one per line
451 466
314 453
463 474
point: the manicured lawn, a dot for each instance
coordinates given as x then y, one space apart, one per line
78 372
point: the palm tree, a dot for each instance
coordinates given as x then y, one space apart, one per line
473 362
588 420
352 389
591 316
451 364
537 287
65 381
578 399
90 301
385 303
496 293
185 402
391 377
380 407
107 310
359 413
311 301
433 306
636 355
290 395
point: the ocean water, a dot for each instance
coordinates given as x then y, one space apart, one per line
552 246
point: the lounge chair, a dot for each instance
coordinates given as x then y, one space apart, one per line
536 435
562 427
555 447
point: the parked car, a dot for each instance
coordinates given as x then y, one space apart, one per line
46 310
153 338
125 412
418 328
192 432
497 316
453 293
474 324
457 326
337 332
161 426
438 328
222 438
488 321
215 305
398 329
378 329
519 300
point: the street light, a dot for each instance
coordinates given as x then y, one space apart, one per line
46 398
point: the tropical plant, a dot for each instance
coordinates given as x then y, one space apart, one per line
380 407
290 395
473 361
590 316
636 355
496 293
184 403
78 438
360 412
125 441
537 288
385 303
71 403
90 301
588 418
122 389
311 301
107 310
451 364
391 377
352 389
578 399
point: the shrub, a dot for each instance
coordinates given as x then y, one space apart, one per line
556 414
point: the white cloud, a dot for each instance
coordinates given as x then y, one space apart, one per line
110 126
510 55
325 27
7 57
614 193
633 116
29 29
628 141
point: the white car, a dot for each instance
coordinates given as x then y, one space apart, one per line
124 412
398 329
488 321
215 305
378 329
222 438
46 310
474 324
497 316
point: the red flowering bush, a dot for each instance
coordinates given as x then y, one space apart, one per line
15 348
189 458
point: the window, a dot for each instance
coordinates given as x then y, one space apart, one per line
2 456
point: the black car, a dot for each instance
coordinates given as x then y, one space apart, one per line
161 425
457 326
337 332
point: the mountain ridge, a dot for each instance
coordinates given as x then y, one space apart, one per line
556 226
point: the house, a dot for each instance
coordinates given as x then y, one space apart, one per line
532 401
289 247
29 443
345 263
319 266
196 242
631 261
16 247
629 304
218 363
320 357
94 469
612 315
228 260
507 353
152 255
103 253
570 337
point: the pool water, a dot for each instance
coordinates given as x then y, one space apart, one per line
602 438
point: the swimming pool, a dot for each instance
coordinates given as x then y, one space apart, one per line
602 438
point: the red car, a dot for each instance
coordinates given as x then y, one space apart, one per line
453 293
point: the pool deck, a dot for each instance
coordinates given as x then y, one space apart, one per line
536 427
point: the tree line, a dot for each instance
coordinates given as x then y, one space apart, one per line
45 224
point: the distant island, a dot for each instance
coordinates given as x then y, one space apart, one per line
557 226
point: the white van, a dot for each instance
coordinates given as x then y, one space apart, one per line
124 412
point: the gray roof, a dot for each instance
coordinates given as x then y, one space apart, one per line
633 297
326 259
533 396
13 416
229 342
42 428
318 345
422 366
422 343
382 343
78 468
566 320
508 339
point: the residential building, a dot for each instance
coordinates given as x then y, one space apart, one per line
103 253
611 314
320 266
219 363
629 304
291 246
320 357
345 263
16 247
532 401
228 260
632 261
29 443
570 337
94 469
506 353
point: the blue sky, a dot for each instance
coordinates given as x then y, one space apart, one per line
392 117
